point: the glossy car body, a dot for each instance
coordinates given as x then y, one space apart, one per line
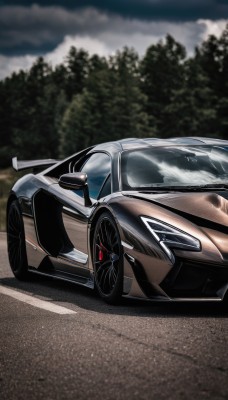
174 242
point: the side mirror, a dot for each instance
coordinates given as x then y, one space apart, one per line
76 181
73 181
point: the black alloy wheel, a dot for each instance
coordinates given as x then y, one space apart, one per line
108 259
16 242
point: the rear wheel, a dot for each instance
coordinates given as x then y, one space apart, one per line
108 259
16 242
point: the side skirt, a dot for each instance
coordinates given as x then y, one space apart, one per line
64 276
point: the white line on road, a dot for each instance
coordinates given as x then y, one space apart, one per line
35 302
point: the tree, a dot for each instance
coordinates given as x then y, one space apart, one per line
111 106
213 58
48 112
162 71
191 111
16 111
34 132
6 151
128 106
77 64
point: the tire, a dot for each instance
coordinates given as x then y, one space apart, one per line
16 242
108 259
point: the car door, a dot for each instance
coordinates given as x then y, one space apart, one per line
74 256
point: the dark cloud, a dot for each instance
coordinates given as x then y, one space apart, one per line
169 10
37 29
50 27
31 28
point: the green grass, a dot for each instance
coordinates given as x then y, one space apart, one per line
7 178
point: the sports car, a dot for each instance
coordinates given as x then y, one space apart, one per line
142 218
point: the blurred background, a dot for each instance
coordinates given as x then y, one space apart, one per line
73 75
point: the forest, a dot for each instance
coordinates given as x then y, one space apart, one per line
53 112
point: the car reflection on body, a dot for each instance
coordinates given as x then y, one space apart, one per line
143 218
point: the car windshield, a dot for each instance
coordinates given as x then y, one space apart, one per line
174 166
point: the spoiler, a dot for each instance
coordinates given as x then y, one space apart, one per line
26 164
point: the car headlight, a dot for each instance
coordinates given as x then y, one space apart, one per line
169 237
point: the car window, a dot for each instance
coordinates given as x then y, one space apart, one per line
106 189
97 168
174 165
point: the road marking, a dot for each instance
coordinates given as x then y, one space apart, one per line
35 302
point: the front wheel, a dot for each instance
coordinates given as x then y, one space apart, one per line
108 259
16 242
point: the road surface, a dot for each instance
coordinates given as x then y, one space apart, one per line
60 341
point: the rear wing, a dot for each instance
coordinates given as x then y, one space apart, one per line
26 164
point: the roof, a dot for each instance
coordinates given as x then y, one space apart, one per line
135 143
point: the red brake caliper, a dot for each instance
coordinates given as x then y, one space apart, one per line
101 254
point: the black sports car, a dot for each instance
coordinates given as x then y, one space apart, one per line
145 218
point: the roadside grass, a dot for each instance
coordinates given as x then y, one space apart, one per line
7 178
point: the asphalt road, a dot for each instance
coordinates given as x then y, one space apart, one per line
137 350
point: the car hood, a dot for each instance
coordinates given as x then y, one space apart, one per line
210 206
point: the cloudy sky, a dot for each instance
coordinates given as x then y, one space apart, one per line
48 28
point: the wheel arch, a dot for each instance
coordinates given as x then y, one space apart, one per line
96 216
113 293
12 197
16 247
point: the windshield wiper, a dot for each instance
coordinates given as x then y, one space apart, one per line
215 186
188 188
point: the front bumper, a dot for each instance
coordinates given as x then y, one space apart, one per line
194 280
186 281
